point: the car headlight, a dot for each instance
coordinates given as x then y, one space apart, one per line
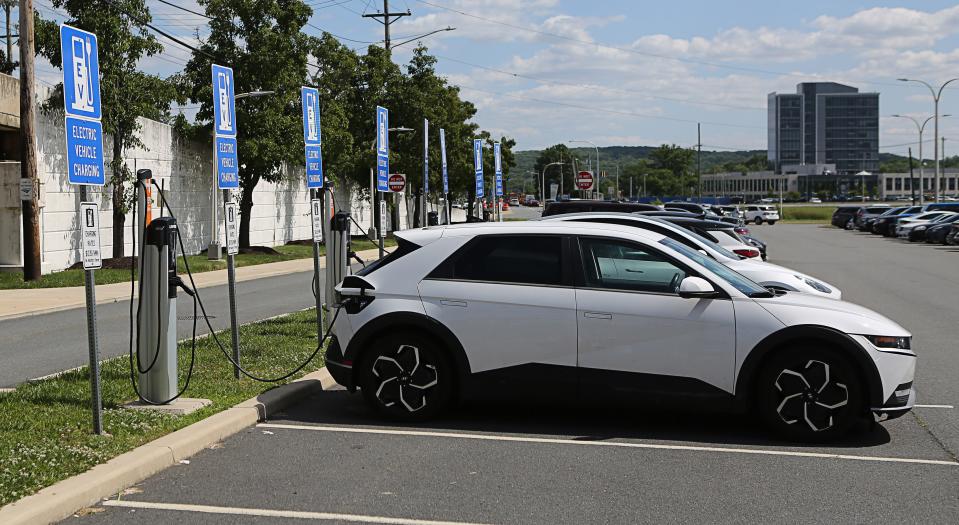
891 342
919 228
814 284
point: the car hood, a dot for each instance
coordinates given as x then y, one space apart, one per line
788 274
802 309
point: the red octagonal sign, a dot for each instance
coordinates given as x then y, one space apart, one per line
397 182
584 180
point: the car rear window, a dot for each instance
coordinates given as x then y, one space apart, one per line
519 259
403 247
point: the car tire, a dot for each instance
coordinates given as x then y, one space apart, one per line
772 222
758 221
407 377
851 224
808 393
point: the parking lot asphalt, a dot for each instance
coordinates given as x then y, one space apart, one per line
328 459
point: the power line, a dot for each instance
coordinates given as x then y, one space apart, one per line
171 4
634 51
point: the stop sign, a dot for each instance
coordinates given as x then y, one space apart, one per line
397 182
584 180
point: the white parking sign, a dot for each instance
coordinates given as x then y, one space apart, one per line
317 214
232 228
90 236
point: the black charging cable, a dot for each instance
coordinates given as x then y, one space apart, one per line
198 300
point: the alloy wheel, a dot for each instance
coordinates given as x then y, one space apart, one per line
811 396
403 378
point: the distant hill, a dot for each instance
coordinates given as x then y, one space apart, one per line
624 155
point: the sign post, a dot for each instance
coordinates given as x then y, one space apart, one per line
498 181
227 178
382 168
478 172
84 134
315 183
446 183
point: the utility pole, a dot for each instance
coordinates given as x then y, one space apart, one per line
912 180
28 147
7 5
387 19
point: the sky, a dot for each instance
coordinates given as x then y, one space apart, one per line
637 72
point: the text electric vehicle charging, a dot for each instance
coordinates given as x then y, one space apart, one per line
153 359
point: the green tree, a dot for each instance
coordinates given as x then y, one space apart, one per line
677 162
555 174
126 92
262 40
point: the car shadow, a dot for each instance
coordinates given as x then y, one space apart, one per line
571 420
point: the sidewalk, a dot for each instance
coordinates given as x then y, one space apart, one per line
24 302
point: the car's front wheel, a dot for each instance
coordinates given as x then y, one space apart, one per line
758 220
406 376
850 224
809 394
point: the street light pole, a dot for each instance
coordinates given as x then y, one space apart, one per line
936 95
921 128
542 180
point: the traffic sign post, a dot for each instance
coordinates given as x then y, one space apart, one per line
478 172
446 182
84 137
397 182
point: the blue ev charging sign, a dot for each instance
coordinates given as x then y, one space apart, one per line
224 102
312 137
81 102
382 149
478 166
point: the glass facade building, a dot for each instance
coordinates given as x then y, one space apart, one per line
824 123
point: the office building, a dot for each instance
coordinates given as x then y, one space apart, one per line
824 123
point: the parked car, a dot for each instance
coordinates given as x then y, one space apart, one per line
505 206
881 223
815 200
514 201
693 207
937 233
760 245
769 275
761 214
636 313
867 214
579 206
944 206
952 238
888 226
845 217
721 233
906 228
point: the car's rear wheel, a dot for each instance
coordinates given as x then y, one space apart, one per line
809 394
850 224
758 220
406 376
772 222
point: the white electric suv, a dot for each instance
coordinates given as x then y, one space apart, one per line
607 309
767 274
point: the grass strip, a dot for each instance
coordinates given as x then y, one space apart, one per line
45 427
807 214
198 263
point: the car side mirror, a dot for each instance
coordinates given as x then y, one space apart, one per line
697 287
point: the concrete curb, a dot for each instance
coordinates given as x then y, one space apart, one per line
61 500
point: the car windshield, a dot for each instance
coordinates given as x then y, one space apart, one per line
739 282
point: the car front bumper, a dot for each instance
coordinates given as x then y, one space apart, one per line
897 405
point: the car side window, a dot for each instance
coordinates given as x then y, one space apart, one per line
618 265
519 259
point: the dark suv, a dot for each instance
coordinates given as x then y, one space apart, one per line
866 215
557 208
845 217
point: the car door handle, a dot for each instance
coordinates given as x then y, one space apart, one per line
597 315
633 271
451 302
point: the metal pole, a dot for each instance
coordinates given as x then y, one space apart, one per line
426 171
317 291
231 280
912 180
89 284
699 161
321 318
935 143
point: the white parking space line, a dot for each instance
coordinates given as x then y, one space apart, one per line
934 406
618 444
270 513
